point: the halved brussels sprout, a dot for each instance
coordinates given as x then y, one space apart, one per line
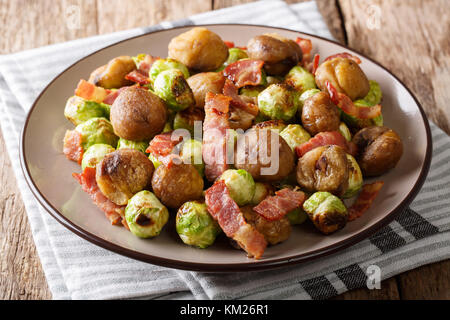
300 79
161 65
185 119
371 99
297 216
326 211
195 226
137 145
295 135
240 184
304 96
355 177
97 130
78 110
251 91
234 54
345 131
94 154
262 191
145 215
278 101
171 86
191 152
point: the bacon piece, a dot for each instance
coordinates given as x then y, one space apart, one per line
215 134
230 218
324 139
72 146
90 91
344 55
276 207
347 106
138 77
113 212
162 146
245 72
146 64
306 46
230 90
364 200
229 44
112 96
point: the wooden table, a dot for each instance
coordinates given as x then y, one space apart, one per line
408 37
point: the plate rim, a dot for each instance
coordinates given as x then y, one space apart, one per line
256 265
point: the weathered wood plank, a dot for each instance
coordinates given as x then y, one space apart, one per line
139 13
21 274
411 39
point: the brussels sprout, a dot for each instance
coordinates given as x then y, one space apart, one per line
251 91
97 130
278 101
240 184
345 131
78 110
161 65
297 216
185 119
94 154
355 177
234 54
154 160
195 226
372 98
171 86
301 79
138 145
326 211
274 79
305 95
295 135
138 59
145 215
276 125
262 191
191 152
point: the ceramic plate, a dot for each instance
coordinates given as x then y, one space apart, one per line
49 173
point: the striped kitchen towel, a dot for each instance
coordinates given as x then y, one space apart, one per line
77 269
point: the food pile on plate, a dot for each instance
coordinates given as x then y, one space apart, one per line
246 141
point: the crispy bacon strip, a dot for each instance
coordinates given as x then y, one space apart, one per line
214 134
344 55
245 72
276 207
146 64
90 91
162 146
230 218
364 200
138 77
72 146
230 90
324 139
347 106
113 212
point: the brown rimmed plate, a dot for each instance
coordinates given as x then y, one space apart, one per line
49 173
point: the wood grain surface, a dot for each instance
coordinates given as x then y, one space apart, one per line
409 37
